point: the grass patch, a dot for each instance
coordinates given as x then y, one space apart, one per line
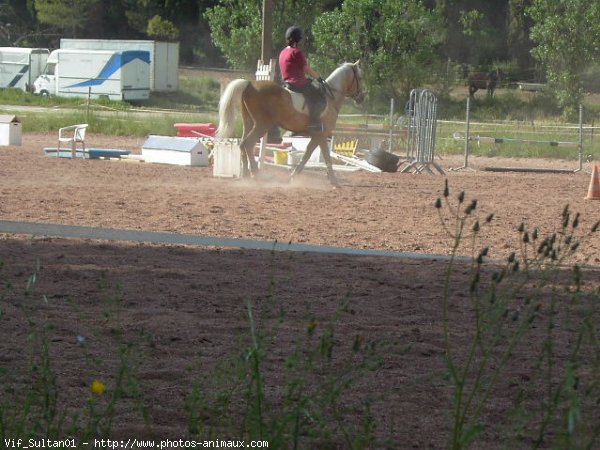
509 114
518 139
116 123
195 94
195 101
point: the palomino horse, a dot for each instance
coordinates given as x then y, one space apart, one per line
266 103
482 80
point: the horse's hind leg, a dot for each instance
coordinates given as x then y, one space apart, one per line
245 165
247 148
247 154
248 143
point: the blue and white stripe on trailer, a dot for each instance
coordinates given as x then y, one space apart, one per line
115 63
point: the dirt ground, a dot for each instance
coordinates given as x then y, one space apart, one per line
185 309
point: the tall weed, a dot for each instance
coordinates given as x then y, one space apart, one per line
515 306
294 403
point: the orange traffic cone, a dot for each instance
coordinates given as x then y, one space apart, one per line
594 189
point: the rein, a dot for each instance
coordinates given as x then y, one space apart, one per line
355 78
328 89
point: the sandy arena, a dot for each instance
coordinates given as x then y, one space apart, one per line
184 309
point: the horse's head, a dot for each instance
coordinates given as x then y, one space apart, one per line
356 91
347 81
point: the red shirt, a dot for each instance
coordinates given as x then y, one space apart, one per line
292 64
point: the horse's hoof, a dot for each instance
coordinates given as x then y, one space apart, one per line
334 182
262 177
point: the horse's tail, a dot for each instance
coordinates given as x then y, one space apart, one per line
229 104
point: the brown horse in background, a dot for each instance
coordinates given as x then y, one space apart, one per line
265 104
482 80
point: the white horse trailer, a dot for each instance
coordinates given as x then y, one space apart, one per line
20 66
164 57
101 73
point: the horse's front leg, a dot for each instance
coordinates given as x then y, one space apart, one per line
307 154
327 158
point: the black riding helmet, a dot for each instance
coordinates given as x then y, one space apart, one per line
293 33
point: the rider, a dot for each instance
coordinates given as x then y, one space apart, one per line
294 67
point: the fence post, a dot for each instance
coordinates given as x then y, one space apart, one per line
580 138
87 110
467 137
391 124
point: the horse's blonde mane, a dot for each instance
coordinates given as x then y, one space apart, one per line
333 79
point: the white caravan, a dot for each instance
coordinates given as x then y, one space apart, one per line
19 66
164 57
98 74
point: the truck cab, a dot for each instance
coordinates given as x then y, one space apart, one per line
45 84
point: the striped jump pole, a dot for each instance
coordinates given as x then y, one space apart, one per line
503 140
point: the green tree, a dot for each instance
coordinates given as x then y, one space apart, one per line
17 23
181 20
161 29
69 16
236 26
304 14
519 43
475 30
566 34
397 39
139 12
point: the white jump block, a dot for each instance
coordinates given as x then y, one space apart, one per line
10 130
227 158
175 150
299 144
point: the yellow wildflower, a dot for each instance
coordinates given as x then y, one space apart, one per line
98 387
311 327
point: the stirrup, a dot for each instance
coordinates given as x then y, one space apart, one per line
316 127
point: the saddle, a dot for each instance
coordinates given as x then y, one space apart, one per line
314 98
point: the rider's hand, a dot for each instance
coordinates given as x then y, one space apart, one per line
320 80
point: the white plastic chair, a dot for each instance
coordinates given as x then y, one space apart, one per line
72 135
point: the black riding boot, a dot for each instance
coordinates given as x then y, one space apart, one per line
315 101
315 123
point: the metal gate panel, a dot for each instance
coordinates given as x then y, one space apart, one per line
422 111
